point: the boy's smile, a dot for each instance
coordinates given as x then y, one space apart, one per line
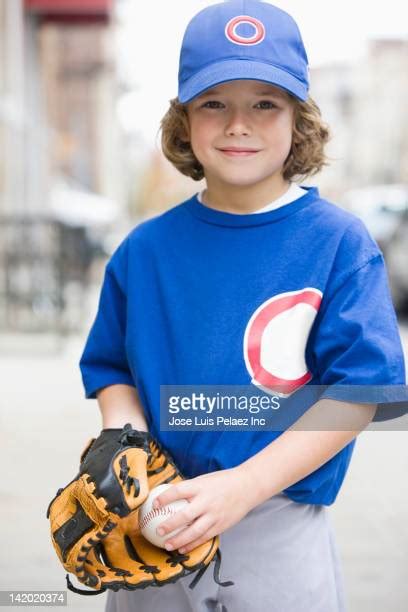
241 133
238 151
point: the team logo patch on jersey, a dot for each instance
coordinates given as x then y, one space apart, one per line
235 24
275 341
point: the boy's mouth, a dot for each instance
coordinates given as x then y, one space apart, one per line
238 151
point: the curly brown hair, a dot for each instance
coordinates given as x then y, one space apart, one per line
306 156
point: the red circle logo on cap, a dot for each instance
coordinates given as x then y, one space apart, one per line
275 340
232 26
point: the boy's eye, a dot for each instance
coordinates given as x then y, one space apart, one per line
211 104
266 104
263 104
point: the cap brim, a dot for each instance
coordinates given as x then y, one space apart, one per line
231 70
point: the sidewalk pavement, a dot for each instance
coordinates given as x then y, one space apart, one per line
45 422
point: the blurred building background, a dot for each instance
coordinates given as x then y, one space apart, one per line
366 105
59 156
57 100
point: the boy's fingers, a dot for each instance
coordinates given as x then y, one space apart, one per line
189 547
178 491
199 531
182 517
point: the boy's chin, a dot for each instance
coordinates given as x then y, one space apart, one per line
238 181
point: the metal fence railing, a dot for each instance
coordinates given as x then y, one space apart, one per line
44 271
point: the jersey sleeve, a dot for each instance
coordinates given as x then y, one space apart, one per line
356 348
104 361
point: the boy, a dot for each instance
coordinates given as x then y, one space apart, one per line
254 281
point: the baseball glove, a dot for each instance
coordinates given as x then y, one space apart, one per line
94 519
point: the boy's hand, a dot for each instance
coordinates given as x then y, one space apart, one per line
218 500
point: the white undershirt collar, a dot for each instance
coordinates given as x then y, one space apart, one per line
293 193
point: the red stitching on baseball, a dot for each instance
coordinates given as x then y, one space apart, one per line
153 514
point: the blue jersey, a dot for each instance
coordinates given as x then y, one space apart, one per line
294 296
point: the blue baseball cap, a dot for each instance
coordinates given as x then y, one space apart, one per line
242 39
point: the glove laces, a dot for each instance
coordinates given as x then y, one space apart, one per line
176 558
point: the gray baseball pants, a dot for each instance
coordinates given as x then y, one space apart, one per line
282 557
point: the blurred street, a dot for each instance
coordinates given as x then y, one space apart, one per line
45 422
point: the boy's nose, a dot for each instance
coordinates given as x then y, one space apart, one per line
237 123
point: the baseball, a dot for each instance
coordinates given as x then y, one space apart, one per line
150 519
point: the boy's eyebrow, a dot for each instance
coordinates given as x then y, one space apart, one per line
271 92
209 92
265 92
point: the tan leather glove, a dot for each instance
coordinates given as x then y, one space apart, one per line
94 519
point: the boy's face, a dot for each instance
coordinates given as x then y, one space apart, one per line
244 114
